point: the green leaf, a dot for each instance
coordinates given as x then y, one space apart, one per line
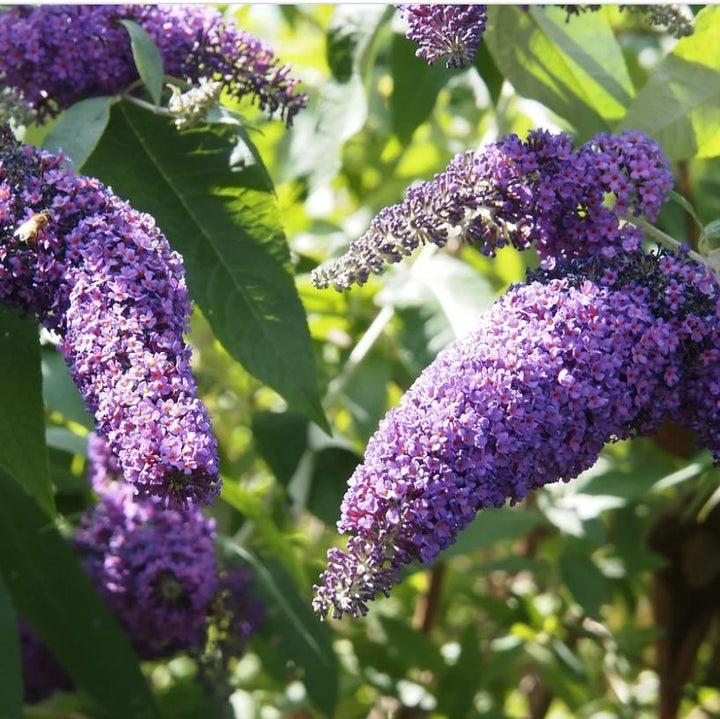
333 466
576 69
148 60
60 393
11 684
585 581
412 647
460 682
222 217
281 438
441 299
23 454
302 639
491 76
493 525
317 138
680 104
79 129
415 87
50 589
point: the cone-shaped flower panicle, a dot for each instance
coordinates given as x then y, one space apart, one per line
452 32
540 192
155 567
591 351
103 276
59 54
42 675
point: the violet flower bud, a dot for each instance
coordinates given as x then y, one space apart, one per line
540 192
592 351
446 31
155 567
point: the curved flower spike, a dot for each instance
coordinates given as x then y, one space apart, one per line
103 277
56 55
539 192
592 352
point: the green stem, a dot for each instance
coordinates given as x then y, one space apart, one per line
148 106
664 239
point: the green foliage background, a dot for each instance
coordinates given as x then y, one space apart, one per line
592 599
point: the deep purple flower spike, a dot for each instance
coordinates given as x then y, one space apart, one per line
595 350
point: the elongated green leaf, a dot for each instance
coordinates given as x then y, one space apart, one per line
332 468
415 87
281 439
60 393
680 105
79 129
148 60
303 639
23 454
223 218
576 69
585 581
342 109
51 591
11 686
493 525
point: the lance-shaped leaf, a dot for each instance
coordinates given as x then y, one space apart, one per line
23 454
680 104
214 201
576 69
50 589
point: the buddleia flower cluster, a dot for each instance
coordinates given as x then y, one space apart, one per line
671 18
539 192
59 54
453 32
594 350
103 277
156 569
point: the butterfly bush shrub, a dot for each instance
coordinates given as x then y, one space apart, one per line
55 55
103 277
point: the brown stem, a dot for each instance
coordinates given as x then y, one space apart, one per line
685 189
426 608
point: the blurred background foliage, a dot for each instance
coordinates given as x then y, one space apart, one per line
598 598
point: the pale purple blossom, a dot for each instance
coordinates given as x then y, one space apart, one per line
103 277
453 32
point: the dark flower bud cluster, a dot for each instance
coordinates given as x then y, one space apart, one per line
155 567
59 54
672 18
42 675
453 32
103 277
540 192
157 571
594 350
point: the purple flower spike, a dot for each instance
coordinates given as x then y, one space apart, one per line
590 352
540 192
103 276
446 31
155 567
59 54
